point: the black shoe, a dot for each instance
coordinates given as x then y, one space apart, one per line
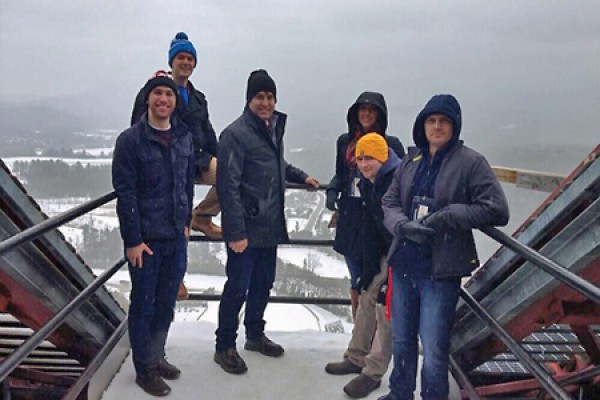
167 370
230 361
152 383
265 346
361 386
342 368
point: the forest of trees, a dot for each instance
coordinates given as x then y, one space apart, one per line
56 179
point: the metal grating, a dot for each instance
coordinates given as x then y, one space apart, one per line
556 343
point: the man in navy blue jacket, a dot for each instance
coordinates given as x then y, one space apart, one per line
152 173
441 192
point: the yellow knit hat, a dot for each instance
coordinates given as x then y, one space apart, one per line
372 145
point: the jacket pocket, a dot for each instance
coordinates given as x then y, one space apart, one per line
152 165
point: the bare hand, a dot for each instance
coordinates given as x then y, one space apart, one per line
186 232
312 182
239 246
135 254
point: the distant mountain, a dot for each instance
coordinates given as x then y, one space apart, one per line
40 125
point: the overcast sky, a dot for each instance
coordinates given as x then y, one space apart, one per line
525 70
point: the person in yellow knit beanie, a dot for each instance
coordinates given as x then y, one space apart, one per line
370 349
372 145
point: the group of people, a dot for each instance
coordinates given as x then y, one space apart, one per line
404 223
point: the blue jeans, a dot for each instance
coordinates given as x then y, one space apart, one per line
425 307
354 269
250 277
153 294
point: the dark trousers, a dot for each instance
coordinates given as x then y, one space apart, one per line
250 277
153 294
426 308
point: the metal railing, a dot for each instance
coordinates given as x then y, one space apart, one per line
10 363
547 382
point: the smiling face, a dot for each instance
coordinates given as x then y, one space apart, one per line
182 67
367 116
161 103
438 131
368 166
263 105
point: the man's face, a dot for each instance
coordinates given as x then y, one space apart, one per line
263 105
367 116
438 130
161 102
183 65
368 166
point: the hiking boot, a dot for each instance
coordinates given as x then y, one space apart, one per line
167 370
230 361
205 225
265 346
361 386
152 383
182 293
342 368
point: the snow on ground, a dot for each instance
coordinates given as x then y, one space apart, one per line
73 235
296 224
297 375
99 152
329 267
280 317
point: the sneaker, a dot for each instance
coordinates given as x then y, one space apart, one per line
265 346
342 368
152 383
167 370
205 225
182 293
230 361
361 386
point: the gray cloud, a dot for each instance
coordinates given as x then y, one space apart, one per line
533 66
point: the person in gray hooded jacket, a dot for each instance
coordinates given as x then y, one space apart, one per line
441 192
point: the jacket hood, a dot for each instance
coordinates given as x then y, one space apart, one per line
391 164
378 101
439 104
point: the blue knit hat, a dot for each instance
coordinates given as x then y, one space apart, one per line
181 44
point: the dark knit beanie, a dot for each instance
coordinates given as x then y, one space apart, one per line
181 44
160 78
259 81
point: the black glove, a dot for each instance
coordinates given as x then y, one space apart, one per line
331 200
416 232
382 294
436 220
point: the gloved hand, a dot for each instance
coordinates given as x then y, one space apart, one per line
436 220
331 200
382 294
416 232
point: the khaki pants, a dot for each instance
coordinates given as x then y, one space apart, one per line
209 207
371 343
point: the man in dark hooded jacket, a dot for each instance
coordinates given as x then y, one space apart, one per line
251 177
367 114
440 193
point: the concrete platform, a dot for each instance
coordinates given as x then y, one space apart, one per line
298 375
